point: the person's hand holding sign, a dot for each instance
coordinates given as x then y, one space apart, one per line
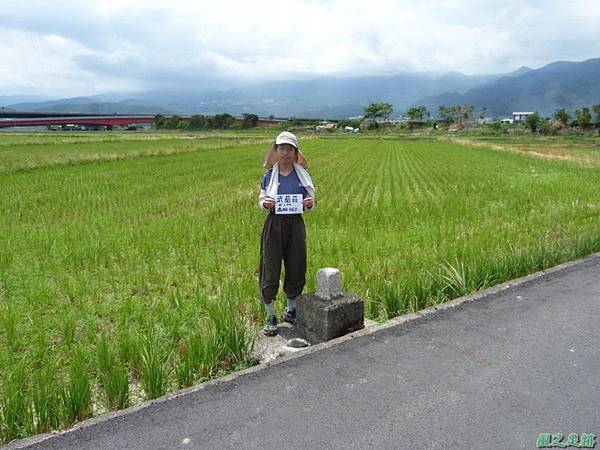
269 203
308 202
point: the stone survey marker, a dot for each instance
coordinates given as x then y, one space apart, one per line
329 283
329 312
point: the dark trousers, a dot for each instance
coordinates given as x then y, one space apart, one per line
283 239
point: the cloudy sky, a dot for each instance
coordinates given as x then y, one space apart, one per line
70 48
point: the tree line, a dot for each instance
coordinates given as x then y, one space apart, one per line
449 114
584 117
201 122
562 118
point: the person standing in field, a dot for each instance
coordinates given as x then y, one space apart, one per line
283 234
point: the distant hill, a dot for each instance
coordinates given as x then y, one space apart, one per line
11 99
568 85
323 97
520 71
89 105
318 98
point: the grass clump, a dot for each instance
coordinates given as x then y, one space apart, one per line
112 376
154 359
16 414
46 399
76 393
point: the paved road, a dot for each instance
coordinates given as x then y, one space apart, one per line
488 374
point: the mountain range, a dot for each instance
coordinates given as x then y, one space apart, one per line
558 85
561 84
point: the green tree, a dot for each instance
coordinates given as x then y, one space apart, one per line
533 121
584 117
197 122
223 121
250 121
561 115
159 121
417 113
378 111
348 123
172 122
464 113
456 113
596 109
446 113
545 126
481 113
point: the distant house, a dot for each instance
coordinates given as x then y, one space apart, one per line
326 127
506 120
521 116
393 121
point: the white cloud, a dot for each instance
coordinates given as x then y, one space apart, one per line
124 44
33 60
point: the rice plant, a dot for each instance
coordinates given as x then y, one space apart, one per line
16 414
235 339
127 349
455 279
394 300
199 357
154 360
76 391
113 377
46 397
68 331
9 321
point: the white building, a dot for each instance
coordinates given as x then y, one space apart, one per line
521 116
326 127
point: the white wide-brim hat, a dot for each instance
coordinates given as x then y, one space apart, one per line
271 156
286 137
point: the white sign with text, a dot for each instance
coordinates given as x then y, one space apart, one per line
289 204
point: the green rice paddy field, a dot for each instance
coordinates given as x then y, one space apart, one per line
128 262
